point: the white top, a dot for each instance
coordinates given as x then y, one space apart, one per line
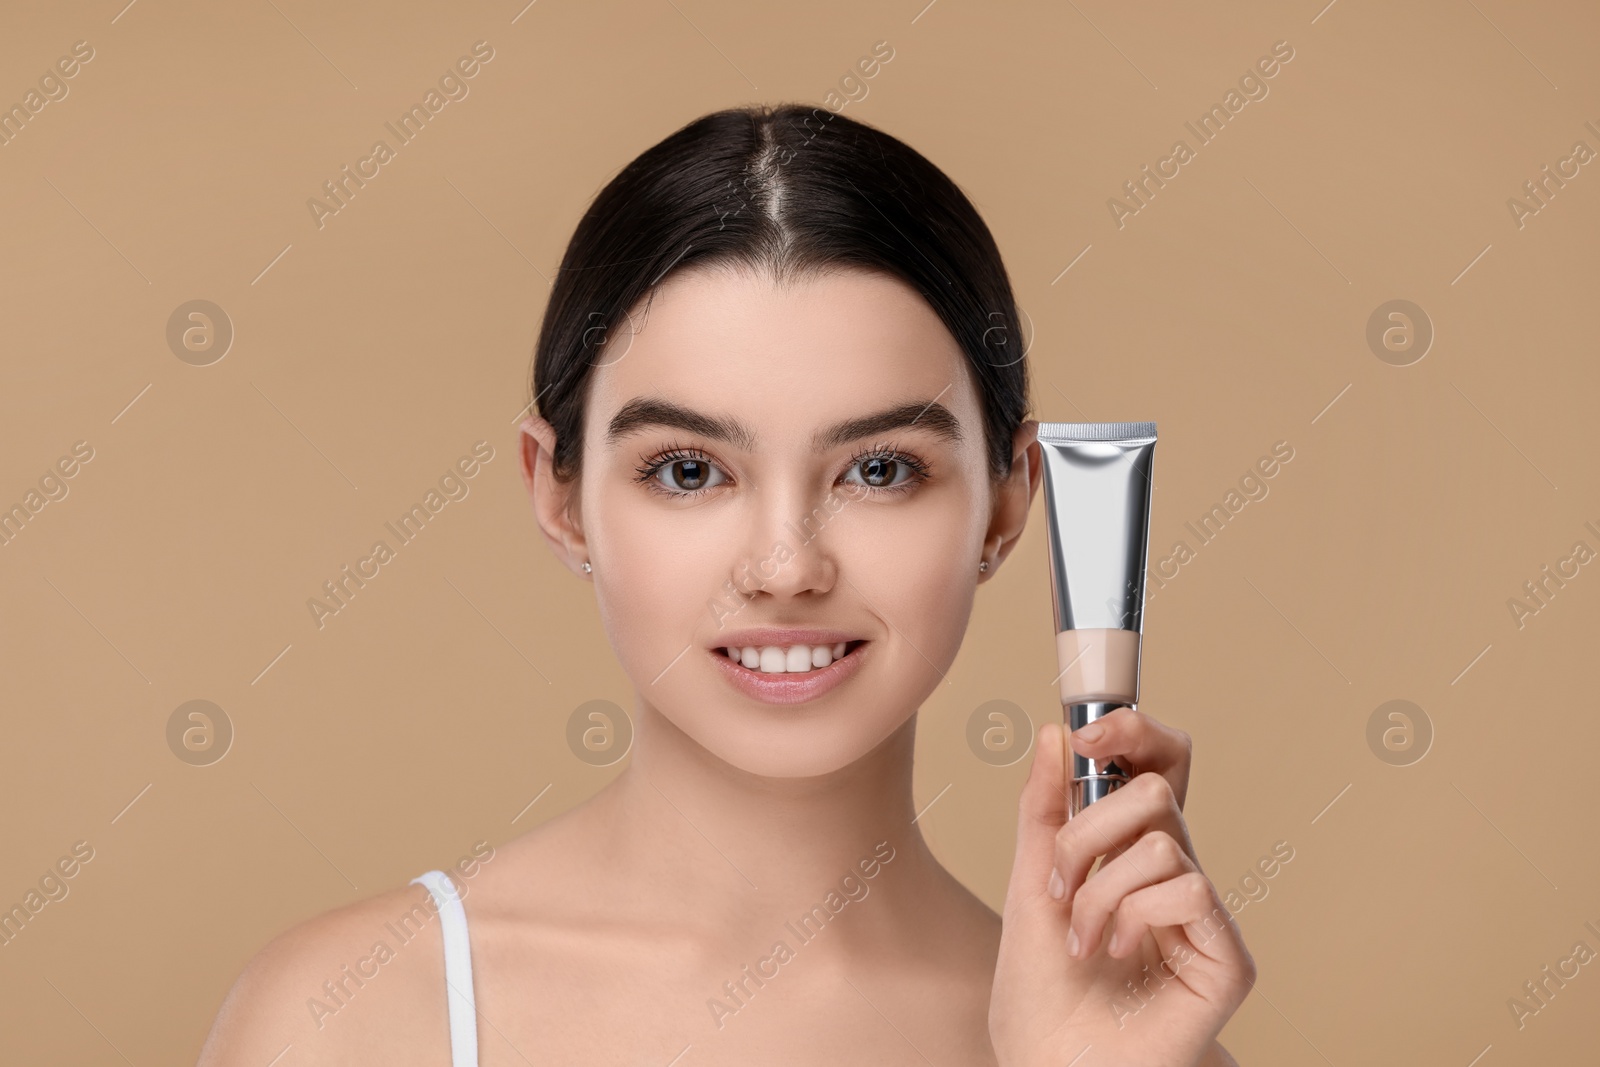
457 968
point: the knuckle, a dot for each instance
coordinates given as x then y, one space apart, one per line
1154 786
1090 899
1130 722
1197 891
1067 836
1247 970
1165 846
1077 832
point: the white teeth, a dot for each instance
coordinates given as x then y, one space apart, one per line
795 659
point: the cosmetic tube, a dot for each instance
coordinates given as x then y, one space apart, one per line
1097 496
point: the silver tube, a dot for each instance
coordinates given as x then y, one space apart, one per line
1097 495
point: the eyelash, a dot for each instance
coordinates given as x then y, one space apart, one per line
648 470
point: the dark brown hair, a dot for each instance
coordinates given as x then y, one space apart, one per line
790 190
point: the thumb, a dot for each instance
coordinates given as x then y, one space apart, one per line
1041 812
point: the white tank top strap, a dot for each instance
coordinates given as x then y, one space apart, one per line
457 968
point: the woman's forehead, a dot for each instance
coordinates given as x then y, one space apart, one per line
809 351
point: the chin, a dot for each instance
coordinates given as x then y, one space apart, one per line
802 742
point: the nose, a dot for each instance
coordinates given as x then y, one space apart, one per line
790 551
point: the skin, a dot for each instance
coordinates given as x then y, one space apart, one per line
601 934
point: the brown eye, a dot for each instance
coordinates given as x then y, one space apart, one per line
688 475
880 472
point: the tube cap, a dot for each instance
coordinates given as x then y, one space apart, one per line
1089 780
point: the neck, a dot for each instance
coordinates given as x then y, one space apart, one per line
741 846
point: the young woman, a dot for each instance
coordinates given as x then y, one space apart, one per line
781 430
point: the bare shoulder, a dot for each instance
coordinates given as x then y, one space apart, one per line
960 962
979 923
360 984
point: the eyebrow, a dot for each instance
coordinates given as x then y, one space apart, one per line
642 412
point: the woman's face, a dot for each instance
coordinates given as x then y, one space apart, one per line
781 472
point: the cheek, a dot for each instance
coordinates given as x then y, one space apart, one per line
916 567
655 573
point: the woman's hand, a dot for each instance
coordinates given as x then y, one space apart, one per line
1173 967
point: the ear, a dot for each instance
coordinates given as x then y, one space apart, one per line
1013 497
555 503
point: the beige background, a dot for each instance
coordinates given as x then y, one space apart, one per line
373 352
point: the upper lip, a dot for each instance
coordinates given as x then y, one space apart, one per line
781 637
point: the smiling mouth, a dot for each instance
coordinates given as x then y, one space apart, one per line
789 659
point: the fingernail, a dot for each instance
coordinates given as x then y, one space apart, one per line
1111 948
1058 888
1090 732
1072 943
